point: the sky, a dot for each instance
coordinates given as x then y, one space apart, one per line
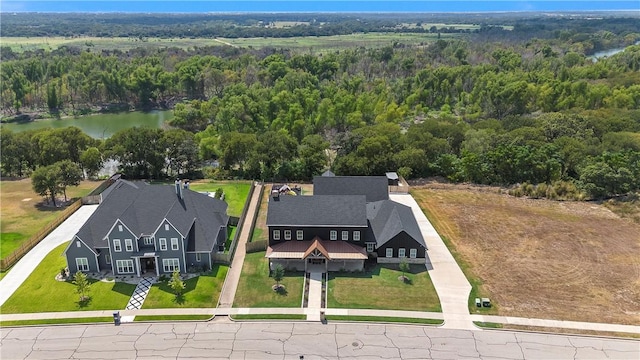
314 6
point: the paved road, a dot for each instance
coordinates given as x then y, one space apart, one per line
23 268
452 286
228 293
223 340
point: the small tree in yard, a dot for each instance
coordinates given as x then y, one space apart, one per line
176 284
82 285
278 275
404 267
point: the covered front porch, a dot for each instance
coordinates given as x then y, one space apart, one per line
146 264
317 255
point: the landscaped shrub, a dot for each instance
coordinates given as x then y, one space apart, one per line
558 190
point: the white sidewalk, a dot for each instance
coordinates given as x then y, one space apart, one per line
452 286
315 296
23 268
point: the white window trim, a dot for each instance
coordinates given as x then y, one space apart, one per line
287 234
345 235
276 234
148 240
117 246
198 257
356 235
174 244
413 253
166 227
402 252
371 247
120 228
78 244
171 265
124 265
299 235
128 245
107 258
389 252
333 235
163 244
82 264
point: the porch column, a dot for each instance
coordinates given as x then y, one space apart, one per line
137 264
157 266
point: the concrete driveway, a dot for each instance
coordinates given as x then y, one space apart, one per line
452 286
23 268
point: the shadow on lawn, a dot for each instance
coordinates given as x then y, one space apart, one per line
370 272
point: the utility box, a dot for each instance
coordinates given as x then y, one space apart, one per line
486 302
478 303
116 318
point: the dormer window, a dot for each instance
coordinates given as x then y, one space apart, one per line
148 240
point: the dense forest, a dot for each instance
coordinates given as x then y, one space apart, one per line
535 112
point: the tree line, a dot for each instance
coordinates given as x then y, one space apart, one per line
529 112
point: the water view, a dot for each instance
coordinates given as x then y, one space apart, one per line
100 126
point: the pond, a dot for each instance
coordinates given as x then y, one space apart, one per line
100 126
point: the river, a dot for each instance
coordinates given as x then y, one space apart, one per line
100 126
606 53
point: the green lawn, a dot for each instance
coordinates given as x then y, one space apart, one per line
22 213
254 288
42 293
235 192
384 319
256 234
268 317
200 292
57 321
172 317
381 289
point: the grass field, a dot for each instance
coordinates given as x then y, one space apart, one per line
200 292
235 192
22 215
254 288
88 320
317 43
268 317
172 317
539 258
381 289
379 319
42 293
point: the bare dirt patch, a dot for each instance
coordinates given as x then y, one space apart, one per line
539 258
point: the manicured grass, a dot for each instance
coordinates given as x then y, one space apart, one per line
9 242
42 293
254 288
200 292
57 321
380 288
257 234
235 192
384 319
231 233
3 273
489 325
171 317
22 213
268 317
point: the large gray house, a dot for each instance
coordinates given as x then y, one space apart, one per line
140 228
346 221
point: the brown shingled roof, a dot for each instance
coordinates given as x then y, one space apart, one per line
333 250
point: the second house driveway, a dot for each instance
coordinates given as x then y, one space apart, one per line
23 268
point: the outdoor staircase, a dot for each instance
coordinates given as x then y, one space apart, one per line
140 293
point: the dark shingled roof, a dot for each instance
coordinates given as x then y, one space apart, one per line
142 208
375 188
318 210
389 218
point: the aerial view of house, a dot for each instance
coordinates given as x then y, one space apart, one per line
140 228
347 220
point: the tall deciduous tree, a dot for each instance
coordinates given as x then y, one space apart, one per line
82 285
70 174
91 161
45 181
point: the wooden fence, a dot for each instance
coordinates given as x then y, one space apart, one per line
257 246
27 245
226 257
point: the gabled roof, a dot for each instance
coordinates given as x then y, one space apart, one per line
316 245
143 208
318 210
389 218
375 188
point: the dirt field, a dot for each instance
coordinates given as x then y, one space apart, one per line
538 258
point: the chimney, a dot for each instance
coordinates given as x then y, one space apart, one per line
178 184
